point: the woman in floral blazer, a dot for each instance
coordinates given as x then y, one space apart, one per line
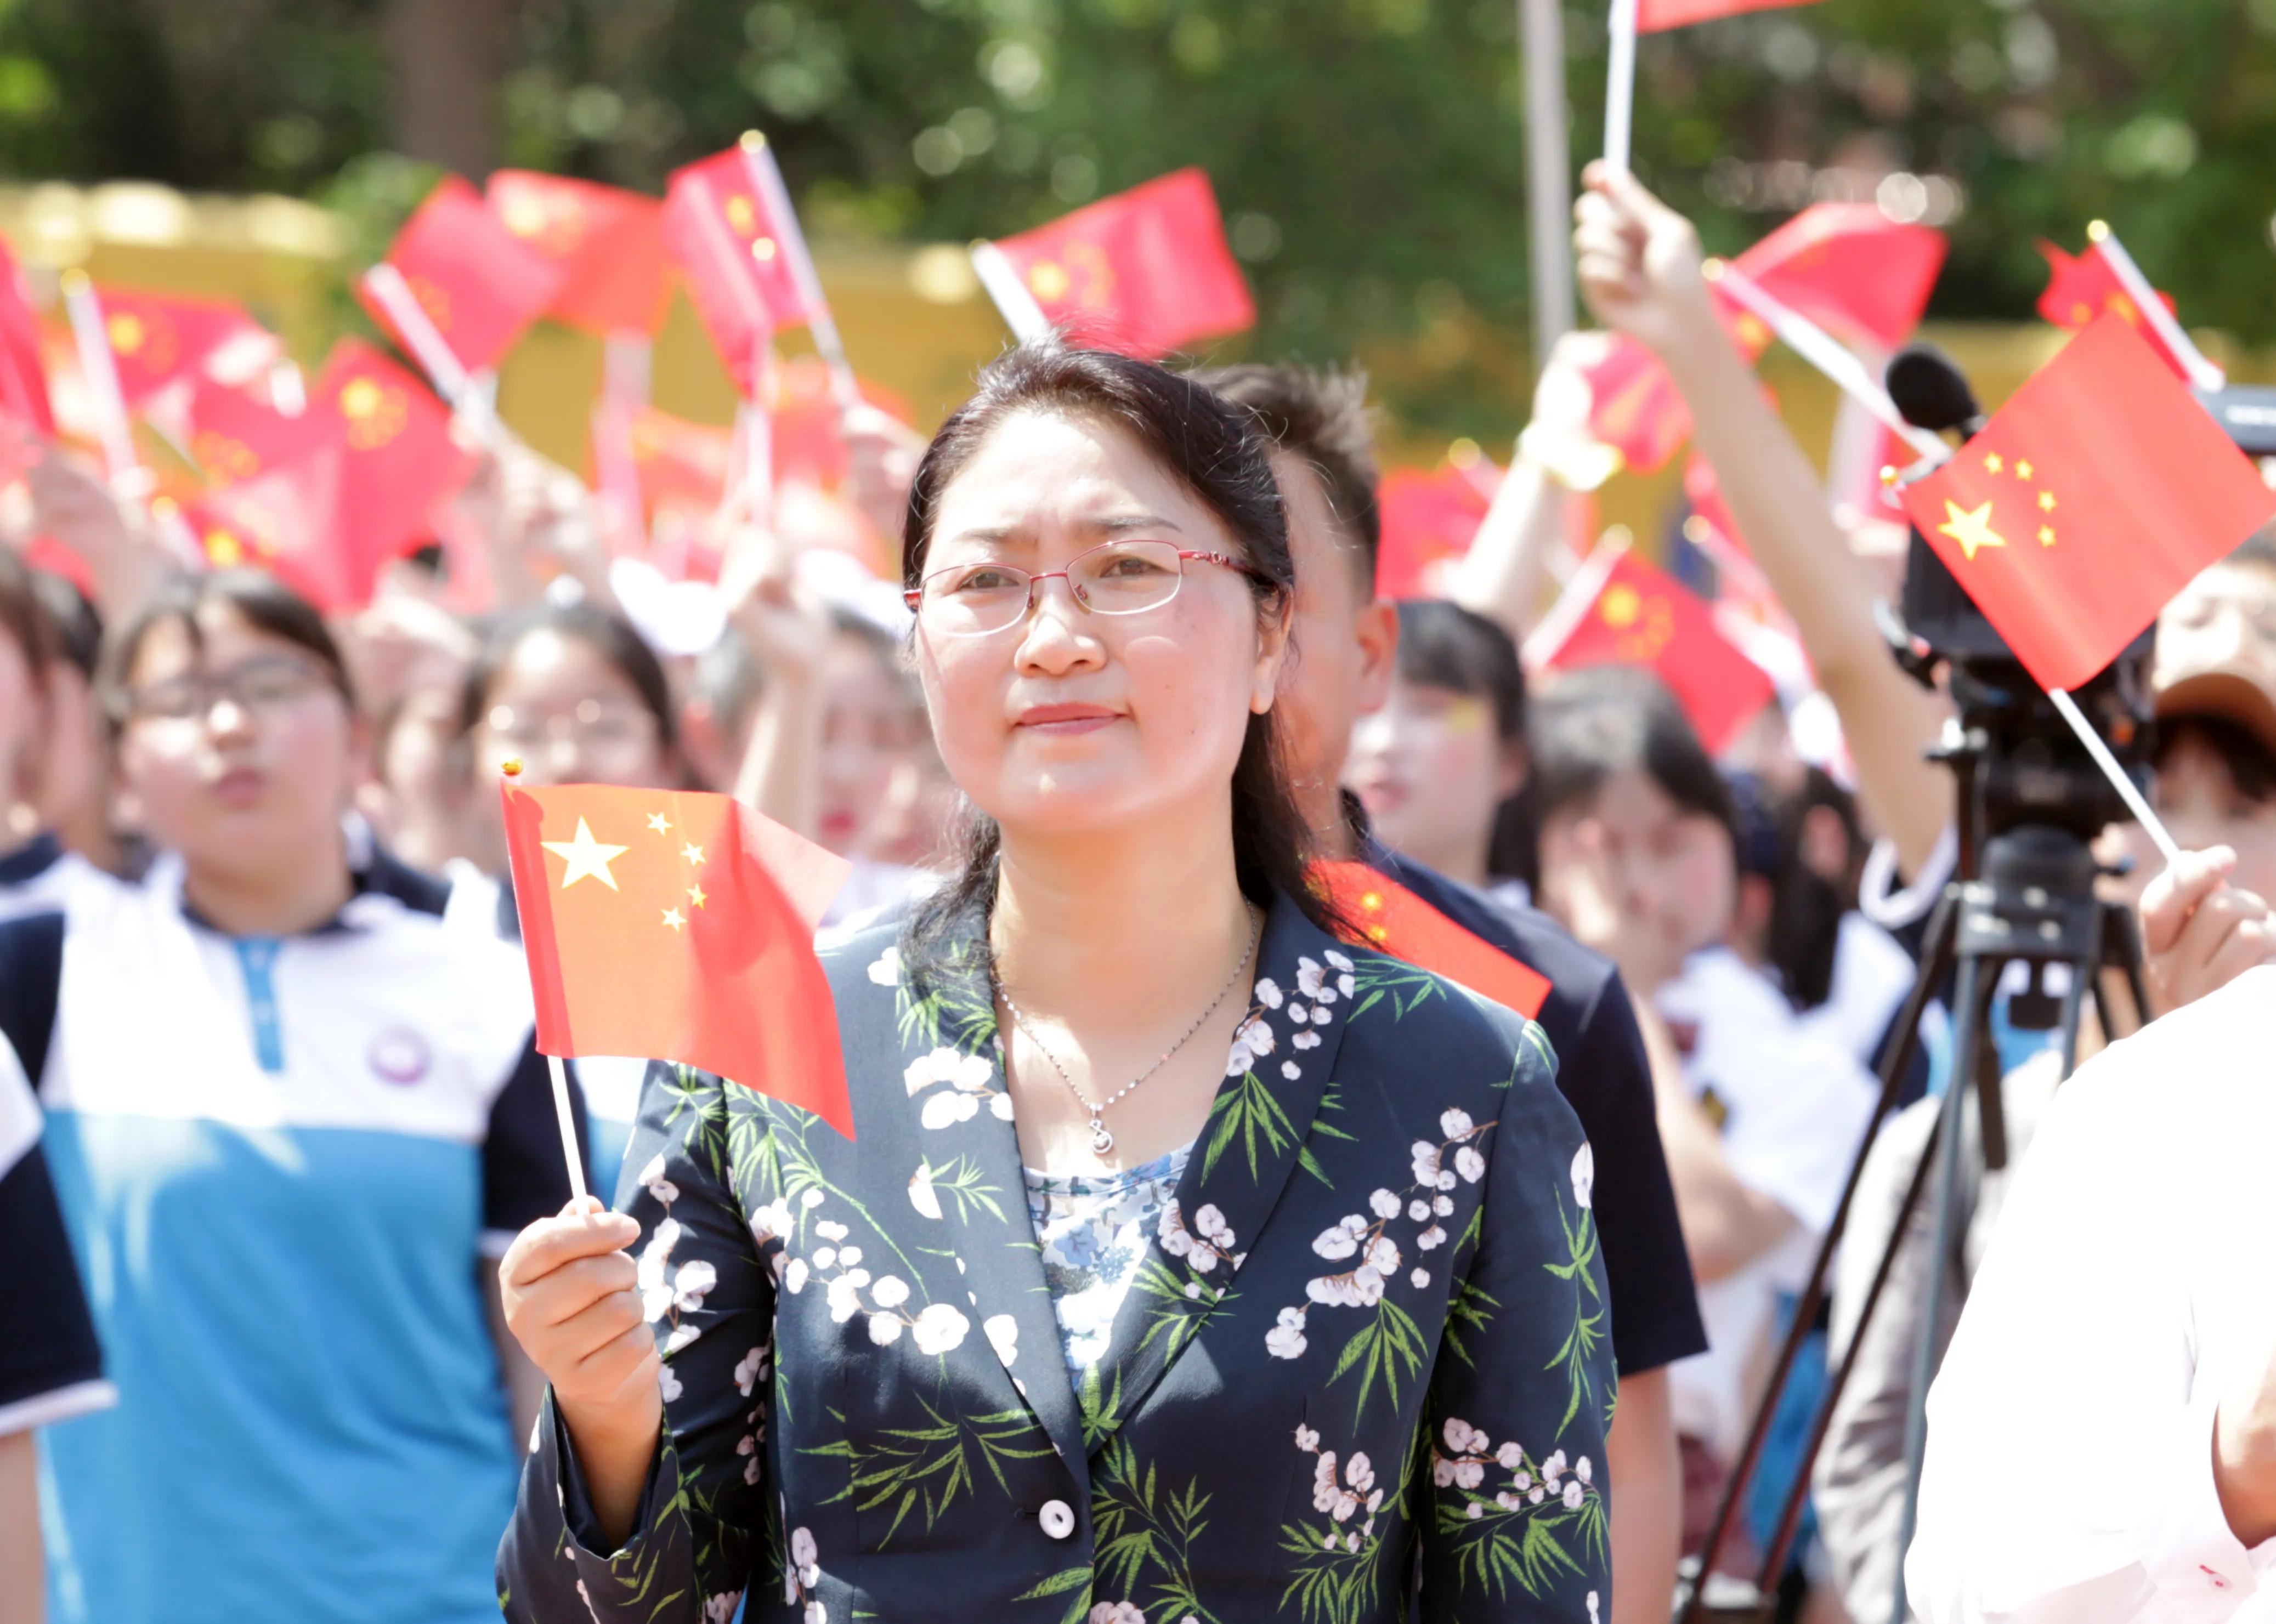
1361 1337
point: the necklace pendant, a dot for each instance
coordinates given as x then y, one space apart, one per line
1102 1138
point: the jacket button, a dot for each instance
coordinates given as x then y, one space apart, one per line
1058 1518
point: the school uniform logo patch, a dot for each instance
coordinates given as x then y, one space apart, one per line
400 1056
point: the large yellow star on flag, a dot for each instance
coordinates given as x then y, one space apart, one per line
586 857
1972 529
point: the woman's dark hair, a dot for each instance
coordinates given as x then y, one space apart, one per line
1443 645
1806 906
1595 723
2251 767
610 636
1209 448
254 596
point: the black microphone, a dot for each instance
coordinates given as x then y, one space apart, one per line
1931 392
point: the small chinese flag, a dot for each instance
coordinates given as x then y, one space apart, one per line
607 242
285 520
1654 15
23 372
736 257
1387 917
157 338
1643 615
480 284
1427 519
398 459
235 434
1635 408
679 925
1850 267
1144 272
2094 495
2082 290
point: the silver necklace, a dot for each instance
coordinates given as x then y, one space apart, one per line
1102 1136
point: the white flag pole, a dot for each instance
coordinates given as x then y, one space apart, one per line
2203 373
1013 300
1824 351
99 368
431 350
1573 604
767 180
2152 825
1619 86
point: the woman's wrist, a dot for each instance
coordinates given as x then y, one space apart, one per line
616 1445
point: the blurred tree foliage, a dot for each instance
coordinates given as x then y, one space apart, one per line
1369 153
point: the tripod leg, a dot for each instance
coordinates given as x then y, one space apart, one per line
1936 957
1971 996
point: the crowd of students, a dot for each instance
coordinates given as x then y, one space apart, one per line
270 1111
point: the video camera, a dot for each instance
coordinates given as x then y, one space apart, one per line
2031 768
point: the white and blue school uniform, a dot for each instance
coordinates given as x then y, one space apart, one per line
283 1162
40 877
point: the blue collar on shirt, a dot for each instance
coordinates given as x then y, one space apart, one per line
31 860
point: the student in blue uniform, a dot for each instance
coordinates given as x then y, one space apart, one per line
286 1115
577 695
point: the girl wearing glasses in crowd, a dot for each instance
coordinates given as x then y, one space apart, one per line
286 1113
1189 1262
576 695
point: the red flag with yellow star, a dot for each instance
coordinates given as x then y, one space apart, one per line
1144 272
1850 267
673 924
1387 917
2082 290
156 339
480 284
398 459
1643 615
608 243
2090 498
284 520
1654 15
738 258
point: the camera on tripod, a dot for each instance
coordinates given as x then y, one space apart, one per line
2031 769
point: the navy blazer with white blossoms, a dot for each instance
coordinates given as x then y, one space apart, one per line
1372 1322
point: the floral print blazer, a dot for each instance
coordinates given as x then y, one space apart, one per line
1365 1361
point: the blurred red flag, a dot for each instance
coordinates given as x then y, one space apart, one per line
809 435
286 520
23 374
2081 290
157 338
607 242
1390 918
1848 266
1426 519
2092 496
1634 405
480 284
1144 272
718 226
1654 15
1643 615
398 459
236 432
679 925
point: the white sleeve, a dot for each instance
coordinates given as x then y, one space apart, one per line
2069 1474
